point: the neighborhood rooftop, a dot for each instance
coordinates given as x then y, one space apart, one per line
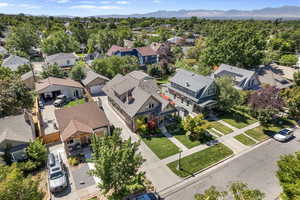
56 81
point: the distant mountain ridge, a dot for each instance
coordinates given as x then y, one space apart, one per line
285 12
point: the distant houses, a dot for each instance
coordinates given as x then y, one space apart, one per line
146 55
94 82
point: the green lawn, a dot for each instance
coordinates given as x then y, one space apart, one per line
161 146
245 140
179 134
186 141
220 127
237 119
200 160
75 102
262 133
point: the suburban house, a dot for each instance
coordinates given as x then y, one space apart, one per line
29 79
94 82
191 92
78 123
63 60
243 79
15 134
146 55
3 51
176 40
13 62
136 96
51 87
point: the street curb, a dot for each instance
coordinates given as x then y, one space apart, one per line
188 177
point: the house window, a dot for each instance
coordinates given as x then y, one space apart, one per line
68 62
181 100
70 141
151 105
187 102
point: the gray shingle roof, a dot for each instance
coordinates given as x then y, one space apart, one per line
15 128
60 56
191 80
142 89
3 51
238 73
13 62
91 76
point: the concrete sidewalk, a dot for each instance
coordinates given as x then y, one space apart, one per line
172 138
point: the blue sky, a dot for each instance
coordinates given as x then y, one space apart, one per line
103 7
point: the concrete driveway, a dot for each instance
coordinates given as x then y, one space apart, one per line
256 168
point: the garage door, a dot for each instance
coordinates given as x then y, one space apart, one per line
97 89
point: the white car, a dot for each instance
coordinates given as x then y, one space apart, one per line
284 135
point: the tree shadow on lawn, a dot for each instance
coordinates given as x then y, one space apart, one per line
235 116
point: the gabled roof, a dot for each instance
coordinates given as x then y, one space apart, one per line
80 118
115 48
13 62
141 86
60 56
91 76
15 128
190 80
27 75
3 51
73 128
43 84
146 51
238 74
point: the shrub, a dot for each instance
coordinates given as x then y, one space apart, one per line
28 166
73 161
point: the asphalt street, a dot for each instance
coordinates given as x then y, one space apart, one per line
257 168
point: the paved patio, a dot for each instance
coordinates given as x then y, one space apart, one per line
81 177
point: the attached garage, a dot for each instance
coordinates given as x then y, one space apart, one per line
94 82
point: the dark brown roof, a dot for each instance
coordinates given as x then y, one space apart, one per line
146 51
115 48
83 117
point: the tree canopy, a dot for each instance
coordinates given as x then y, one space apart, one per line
117 164
77 72
111 66
53 71
59 42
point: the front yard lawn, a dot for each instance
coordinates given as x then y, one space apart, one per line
262 133
244 140
179 134
220 127
237 119
75 102
200 160
161 146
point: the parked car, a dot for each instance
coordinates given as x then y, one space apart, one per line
147 196
41 105
57 178
53 159
60 100
284 135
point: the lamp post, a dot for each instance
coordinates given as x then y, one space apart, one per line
178 165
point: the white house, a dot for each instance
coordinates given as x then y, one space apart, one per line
52 87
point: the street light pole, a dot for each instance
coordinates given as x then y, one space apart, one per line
178 165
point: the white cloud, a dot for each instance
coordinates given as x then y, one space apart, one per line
61 1
122 2
3 4
95 7
105 2
86 2
28 6
156 1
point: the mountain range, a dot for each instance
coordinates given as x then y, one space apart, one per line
285 12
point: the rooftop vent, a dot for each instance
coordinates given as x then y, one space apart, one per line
187 84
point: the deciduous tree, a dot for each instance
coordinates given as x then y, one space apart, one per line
195 127
37 151
77 72
117 164
53 71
